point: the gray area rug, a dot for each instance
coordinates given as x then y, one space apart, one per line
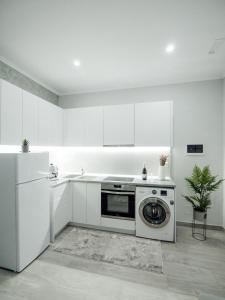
114 248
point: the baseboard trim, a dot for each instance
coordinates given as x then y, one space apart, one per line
211 227
104 228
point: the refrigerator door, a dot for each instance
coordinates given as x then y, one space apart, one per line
33 221
32 166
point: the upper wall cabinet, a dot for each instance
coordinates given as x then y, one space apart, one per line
153 124
50 124
93 126
74 131
24 115
11 113
30 117
119 125
83 126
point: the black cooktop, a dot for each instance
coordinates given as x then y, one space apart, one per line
115 178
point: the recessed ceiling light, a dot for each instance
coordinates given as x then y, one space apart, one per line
76 63
170 48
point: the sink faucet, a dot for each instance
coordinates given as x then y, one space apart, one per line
82 172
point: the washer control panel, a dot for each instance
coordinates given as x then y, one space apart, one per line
163 192
160 192
154 192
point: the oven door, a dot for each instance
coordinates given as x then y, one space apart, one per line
118 204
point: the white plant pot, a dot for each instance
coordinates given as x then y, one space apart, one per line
25 148
200 215
162 173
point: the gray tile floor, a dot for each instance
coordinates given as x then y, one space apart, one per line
191 269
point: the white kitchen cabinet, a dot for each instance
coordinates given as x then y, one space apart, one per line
11 113
79 202
93 206
57 127
93 126
74 130
87 203
127 225
153 124
83 126
50 124
119 125
61 208
30 117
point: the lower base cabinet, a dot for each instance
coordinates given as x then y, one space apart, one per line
119 224
79 202
87 203
93 200
61 208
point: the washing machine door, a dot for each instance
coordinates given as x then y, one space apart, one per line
154 212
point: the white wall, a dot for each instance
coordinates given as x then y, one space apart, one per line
197 119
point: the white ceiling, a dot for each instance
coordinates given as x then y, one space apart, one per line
120 43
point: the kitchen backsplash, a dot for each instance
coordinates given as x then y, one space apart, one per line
128 160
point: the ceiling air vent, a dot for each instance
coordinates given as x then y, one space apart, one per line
216 45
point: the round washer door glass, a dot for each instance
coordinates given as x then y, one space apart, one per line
154 212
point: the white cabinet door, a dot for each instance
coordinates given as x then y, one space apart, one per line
61 208
11 114
93 126
79 202
30 117
153 124
45 120
93 204
119 125
57 128
74 127
50 124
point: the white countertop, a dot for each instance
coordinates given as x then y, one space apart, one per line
100 178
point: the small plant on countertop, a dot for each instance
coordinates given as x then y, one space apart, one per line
203 183
163 159
25 145
25 142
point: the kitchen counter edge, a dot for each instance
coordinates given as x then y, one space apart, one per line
136 182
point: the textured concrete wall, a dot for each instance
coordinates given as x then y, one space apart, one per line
24 82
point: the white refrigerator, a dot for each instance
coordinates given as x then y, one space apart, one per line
24 208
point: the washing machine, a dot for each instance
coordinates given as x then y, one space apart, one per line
155 213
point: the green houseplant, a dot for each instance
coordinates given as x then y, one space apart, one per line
202 183
25 146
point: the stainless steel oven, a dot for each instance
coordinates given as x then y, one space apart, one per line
118 201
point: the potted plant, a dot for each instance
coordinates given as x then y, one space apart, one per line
25 146
202 183
162 168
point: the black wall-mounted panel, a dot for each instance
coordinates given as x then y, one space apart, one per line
195 148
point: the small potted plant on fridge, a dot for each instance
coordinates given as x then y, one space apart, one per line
25 146
202 183
162 166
